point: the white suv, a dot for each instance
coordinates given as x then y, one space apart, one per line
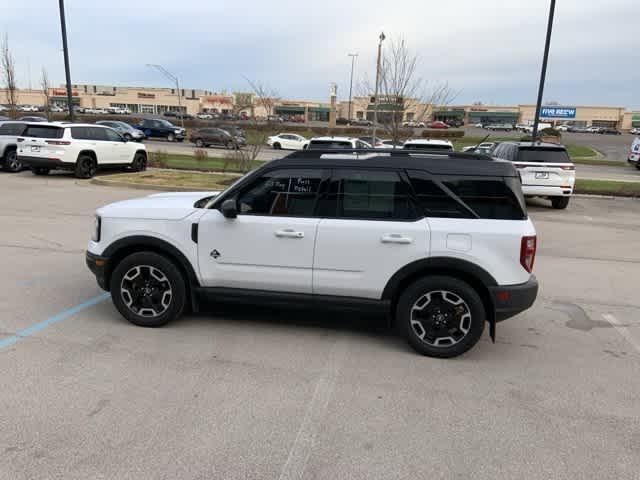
339 143
545 169
443 245
82 148
428 144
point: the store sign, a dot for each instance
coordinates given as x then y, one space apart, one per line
219 99
63 93
558 112
146 95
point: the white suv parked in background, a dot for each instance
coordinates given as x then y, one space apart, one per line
82 148
545 169
442 245
427 144
340 143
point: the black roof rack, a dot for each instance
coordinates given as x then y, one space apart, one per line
434 161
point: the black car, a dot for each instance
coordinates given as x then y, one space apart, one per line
203 137
160 128
234 130
610 131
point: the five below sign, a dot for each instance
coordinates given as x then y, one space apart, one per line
558 112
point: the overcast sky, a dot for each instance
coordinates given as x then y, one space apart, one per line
488 50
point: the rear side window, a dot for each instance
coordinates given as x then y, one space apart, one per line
368 194
329 144
490 198
282 193
12 129
43 131
434 200
546 155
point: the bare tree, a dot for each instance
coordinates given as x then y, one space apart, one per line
402 91
8 73
44 85
264 98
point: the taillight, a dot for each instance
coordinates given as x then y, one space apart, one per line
528 252
58 142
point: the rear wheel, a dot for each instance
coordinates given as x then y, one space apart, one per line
11 162
139 163
86 167
441 316
148 289
40 170
559 203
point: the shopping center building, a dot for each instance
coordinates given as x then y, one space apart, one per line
156 101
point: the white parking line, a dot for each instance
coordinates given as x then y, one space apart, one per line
622 330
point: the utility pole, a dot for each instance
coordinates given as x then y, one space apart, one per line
375 97
353 61
65 50
173 78
543 73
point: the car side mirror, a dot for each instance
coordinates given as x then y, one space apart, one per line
229 208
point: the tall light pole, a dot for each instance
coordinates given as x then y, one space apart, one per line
65 50
173 78
353 61
375 95
543 73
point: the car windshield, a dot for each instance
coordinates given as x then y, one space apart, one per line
545 155
166 124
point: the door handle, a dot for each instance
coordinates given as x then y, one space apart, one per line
396 238
289 233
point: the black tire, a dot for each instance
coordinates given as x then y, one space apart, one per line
277 146
154 299
40 170
199 143
559 203
127 137
171 137
11 162
86 166
139 163
471 315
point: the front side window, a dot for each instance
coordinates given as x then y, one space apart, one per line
290 192
112 136
367 194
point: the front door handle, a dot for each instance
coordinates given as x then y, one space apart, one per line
396 238
289 233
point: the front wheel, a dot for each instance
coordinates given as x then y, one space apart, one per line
171 137
11 162
277 146
148 289
139 163
199 143
441 316
559 203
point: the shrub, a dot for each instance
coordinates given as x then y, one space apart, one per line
200 154
549 132
428 133
158 159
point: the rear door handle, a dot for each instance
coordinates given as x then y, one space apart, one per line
396 238
289 233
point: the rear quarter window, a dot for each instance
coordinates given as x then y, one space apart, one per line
544 155
43 131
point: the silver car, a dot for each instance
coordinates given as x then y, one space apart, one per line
126 130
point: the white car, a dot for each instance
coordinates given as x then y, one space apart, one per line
9 133
635 131
337 143
545 169
204 116
81 148
428 144
56 109
383 144
27 108
634 153
374 232
288 141
563 128
413 124
484 146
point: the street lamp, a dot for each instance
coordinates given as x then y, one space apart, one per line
543 73
173 78
353 61
375 97
65 50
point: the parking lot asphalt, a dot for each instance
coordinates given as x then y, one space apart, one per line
241 393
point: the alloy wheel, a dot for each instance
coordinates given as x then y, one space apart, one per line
146 291
440 318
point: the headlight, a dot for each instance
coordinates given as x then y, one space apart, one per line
97 226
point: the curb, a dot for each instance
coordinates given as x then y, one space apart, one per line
138 186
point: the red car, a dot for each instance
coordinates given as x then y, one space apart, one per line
437 124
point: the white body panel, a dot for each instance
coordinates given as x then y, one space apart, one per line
257 252
356 258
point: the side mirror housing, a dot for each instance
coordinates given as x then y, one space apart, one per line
229 208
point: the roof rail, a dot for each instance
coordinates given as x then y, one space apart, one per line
368 153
